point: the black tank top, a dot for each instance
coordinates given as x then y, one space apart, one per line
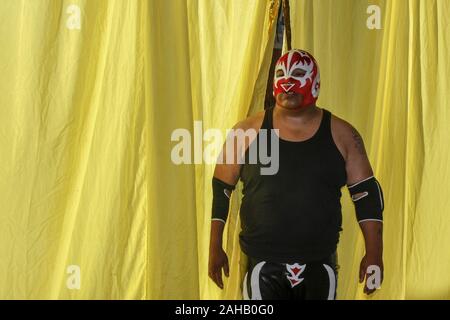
294 215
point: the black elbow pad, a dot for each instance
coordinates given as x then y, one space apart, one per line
368 199
221 199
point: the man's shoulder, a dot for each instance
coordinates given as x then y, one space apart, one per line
344 135
252 122
342 128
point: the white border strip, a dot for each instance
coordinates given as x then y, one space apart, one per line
332 277
370 220
218 219
379 193
256 292
355 184
364 194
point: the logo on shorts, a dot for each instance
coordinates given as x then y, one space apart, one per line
295 270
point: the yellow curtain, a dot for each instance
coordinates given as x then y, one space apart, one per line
91 205
392 85
211 68
73 148
231 46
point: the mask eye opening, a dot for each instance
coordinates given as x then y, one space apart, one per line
279 73
299 73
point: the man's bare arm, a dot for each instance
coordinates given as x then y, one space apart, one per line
227 173
358 169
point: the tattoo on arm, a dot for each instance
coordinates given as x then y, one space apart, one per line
359 143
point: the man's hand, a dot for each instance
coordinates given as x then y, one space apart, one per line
217 260
371 260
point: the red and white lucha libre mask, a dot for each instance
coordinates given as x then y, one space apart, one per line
308 85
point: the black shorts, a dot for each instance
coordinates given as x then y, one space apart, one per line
297 281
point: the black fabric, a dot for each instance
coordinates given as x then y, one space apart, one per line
370 202
221 201
314 281
294 215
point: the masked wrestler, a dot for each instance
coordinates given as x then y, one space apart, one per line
291 220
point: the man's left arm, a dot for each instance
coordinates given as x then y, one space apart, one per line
367 196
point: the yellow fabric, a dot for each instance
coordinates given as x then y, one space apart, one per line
86 117
392 85
233 64
73 144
